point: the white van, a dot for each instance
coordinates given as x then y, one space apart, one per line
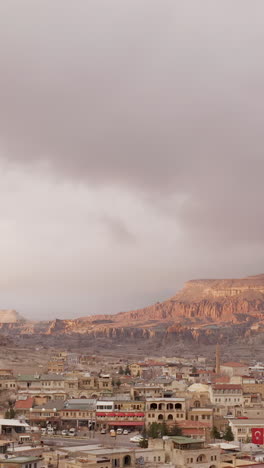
72 431
119 431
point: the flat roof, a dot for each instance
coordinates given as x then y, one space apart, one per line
12 422
22 459
185 440
165 399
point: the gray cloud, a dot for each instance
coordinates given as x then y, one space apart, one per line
158 101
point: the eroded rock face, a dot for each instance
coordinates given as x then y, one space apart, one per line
9 316
204 311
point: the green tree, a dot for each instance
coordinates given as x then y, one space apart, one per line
228 435
215 433
164 431
121 370
154 430
157 430
10 413
118 383
127 370
144 443
175 430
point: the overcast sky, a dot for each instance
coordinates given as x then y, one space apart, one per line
131 150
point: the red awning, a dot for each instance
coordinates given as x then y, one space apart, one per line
140 414
111 415
100 414
121 414
130 415
126 423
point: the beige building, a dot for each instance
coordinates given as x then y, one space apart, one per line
242 428
227 395
234 369
184 452
104 457
168 410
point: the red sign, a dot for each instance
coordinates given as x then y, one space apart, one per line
257 435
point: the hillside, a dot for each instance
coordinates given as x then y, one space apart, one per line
204 311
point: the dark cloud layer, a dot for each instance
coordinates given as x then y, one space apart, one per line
162 99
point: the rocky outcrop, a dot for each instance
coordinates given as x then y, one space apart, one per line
10 316
204 311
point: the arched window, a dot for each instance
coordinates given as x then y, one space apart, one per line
169 406
160 417
127 460
161 406
178 406
197 404
170 417
153 406
201 458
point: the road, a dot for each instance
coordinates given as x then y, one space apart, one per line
104 439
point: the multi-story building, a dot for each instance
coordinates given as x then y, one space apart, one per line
7 380
227 395
201 414
234 369
187 452
143 391
242 428
168 410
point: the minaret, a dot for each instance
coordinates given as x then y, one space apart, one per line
217 359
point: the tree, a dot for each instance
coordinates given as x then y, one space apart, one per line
144 443
228 435
127 370
175 430
118 383
215 433
154 430
157 430
164 429
10 413
121 370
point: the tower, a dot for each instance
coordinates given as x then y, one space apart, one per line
217 359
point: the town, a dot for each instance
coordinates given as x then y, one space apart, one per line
93 411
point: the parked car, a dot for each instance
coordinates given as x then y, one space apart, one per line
112 433
72 431
43 431
125 431
136 439
119 431
103 431
64 432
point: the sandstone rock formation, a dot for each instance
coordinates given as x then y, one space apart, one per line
204 311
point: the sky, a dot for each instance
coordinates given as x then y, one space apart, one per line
131 150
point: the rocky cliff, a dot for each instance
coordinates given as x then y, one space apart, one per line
204 311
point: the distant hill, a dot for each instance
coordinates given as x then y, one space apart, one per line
205 311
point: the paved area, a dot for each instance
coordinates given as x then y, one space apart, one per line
90 439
